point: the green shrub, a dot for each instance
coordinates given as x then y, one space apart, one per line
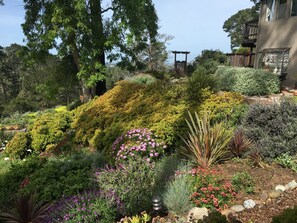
273 128
133 183
17 175
142 79
177 194
19 146
49 129
159 107
227 106
248 81
51 178
226 77
287 161
115 74
200 80
91 206
289 215
243 181
214 217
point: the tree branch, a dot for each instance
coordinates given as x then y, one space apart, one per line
107 9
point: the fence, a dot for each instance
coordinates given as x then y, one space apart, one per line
240 60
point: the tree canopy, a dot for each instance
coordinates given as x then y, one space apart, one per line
234 25
90 31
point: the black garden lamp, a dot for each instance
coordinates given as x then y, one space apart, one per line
157 204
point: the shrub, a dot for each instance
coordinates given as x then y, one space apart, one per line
206 144
138 143
214 217
19 146
227 106
142 79
159 107
49 129
115 74
273 128
211 190
243 181
132 182
289 215
248 81
11 180
177 194
287 161
199 81
51 178
91 206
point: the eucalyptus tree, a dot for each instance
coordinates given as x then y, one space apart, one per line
90 31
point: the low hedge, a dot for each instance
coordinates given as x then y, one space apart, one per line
247 81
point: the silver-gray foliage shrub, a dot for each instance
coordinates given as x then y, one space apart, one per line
247 81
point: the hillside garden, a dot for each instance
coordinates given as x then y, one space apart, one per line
192 142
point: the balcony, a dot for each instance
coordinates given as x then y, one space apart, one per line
250 33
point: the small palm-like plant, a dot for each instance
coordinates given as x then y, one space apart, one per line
206 144
239 144
26 209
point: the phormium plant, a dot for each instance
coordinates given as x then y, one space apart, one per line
206 144
239 144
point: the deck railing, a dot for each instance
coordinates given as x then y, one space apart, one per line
250 33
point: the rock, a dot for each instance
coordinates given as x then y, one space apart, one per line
263 196
197 213
274 193
292 184
248 204
237 208
280 187
227 212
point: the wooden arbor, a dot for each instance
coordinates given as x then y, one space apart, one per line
180 66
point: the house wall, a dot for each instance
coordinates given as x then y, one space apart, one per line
280 33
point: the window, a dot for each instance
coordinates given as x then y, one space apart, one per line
275 60
294 8
270 10
282 9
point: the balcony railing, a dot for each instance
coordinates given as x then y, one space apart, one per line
250 33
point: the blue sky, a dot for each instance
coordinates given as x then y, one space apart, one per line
195 24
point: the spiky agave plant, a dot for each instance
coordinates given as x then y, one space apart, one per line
26 209
206 144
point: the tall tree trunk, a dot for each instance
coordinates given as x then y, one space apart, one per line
99 40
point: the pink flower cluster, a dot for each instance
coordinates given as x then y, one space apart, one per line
138 142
